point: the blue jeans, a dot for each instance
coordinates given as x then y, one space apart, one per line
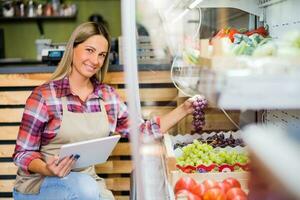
75 186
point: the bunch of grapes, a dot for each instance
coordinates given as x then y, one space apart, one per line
199 105
199 153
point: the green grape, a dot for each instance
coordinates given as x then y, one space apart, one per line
199 162
196 142
181 163
208 162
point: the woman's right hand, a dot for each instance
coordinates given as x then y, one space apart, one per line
61 168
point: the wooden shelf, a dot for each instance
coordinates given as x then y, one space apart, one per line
38 18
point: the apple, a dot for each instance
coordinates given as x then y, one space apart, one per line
208 183
224 186
232 182
186 195
234 192
214 194
198 190
186 183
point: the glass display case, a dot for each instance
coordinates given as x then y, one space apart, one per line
241 58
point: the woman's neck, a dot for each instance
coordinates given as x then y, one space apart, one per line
79 81
80 86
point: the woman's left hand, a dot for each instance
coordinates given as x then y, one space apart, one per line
188 104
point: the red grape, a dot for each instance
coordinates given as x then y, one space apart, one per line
198 115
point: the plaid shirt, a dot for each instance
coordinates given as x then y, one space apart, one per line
43 114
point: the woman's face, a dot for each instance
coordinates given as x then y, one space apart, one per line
89 56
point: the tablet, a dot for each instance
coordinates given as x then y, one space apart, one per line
91 152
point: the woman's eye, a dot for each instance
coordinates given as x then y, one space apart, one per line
102 55
89 50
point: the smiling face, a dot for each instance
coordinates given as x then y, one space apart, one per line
89 56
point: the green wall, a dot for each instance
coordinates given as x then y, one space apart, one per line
20 36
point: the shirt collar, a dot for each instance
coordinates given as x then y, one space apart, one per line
63 88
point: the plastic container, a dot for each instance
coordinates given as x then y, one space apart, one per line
40 45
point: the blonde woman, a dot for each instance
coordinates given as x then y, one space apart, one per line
74 106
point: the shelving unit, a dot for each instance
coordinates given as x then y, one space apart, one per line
259 83
38 19
241 83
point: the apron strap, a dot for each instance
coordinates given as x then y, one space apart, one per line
101 102
64 104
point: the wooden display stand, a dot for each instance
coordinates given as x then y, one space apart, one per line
174 174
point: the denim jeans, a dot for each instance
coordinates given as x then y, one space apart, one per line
75 186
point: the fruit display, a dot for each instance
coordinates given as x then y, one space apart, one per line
203 158
228 189
216 140
198 115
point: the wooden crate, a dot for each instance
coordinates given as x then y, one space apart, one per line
15 88
242 177
174 174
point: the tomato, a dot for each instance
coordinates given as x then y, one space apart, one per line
198 190
233 192
224 186
210 184
187 195
227 32
231 34
232 182
186 183
240 198
214 194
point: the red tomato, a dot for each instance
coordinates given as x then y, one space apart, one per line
214 194
227 32
198 190
224 186
231 34
210 184
186 183
187 195
232 182
240 198
234 192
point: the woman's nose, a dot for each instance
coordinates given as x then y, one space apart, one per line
95 60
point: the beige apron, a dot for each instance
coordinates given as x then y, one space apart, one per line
75 127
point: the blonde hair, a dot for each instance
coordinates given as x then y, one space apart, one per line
79 35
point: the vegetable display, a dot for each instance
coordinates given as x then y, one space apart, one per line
228 189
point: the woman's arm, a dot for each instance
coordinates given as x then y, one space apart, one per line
53 167
170 119
28 142
39 166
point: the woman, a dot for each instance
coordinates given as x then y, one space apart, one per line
73 106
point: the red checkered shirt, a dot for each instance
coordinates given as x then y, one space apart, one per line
43 114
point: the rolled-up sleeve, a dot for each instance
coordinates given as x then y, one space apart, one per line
151 127
31 128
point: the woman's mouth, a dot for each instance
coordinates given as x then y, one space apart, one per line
91 68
